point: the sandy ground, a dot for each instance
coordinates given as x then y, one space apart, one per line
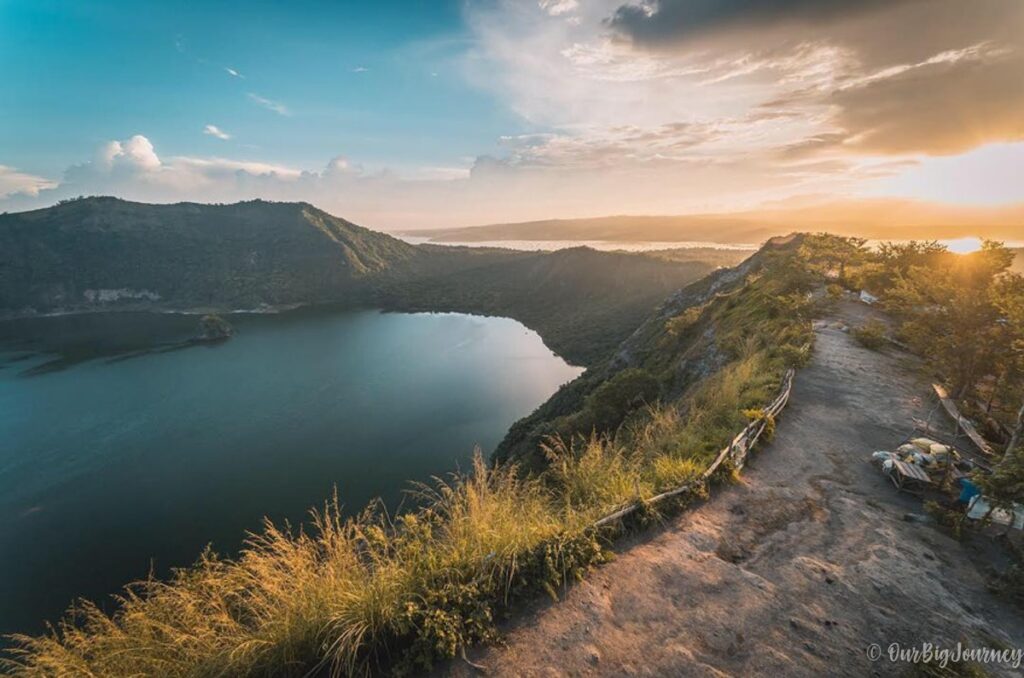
795 571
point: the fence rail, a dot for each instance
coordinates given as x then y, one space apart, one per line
736 451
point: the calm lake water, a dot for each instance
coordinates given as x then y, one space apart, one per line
114 459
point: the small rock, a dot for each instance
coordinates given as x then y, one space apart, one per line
830 580
592 655
794 624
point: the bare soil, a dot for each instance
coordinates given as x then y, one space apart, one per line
794 571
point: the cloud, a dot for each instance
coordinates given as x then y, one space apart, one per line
941 106
132 168
13 182
215 131
135 153
233 73
666 21
901 77
541 175
746 82
360 69
269 104
559 7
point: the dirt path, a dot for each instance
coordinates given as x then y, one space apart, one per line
795 571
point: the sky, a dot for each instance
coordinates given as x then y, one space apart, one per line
402 115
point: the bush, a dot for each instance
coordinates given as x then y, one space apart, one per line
626 391
871 335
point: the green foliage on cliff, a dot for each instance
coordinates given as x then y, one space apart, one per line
759 311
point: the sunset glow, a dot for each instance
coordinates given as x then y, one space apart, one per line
963 245
511 110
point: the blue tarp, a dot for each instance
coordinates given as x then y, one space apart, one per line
968 490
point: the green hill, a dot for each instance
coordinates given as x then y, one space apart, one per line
583 302
104 253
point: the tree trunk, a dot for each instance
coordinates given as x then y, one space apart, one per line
992 393
1018 431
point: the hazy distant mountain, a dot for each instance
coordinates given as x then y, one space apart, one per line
106 254
876 218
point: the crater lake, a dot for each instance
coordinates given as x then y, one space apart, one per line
125 449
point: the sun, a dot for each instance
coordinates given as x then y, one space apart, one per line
963 245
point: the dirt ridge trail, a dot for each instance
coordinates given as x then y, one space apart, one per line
794 571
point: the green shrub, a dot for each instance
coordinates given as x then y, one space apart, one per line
613 400
871 335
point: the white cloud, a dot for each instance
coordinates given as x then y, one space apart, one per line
269 104
132 168
532 183
215 131
558 7
13 182
136 153
233 73
360 69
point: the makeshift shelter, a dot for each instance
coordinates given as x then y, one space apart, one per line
980 507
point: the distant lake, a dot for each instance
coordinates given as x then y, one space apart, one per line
601 245
115 457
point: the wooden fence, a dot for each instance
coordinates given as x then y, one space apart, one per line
736 451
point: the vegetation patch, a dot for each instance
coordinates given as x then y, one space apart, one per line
871 335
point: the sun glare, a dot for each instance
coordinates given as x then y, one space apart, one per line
963 245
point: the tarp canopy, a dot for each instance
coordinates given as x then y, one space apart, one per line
980 506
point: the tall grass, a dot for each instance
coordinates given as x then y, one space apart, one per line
339 595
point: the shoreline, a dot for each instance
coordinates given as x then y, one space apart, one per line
196 310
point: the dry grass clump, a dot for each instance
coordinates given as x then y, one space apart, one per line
339 594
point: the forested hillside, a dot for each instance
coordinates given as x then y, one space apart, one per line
106 254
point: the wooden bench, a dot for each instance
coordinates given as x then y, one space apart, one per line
909 477
962 423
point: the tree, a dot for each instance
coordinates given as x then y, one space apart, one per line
894 261
1008 297
835 253
949 312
